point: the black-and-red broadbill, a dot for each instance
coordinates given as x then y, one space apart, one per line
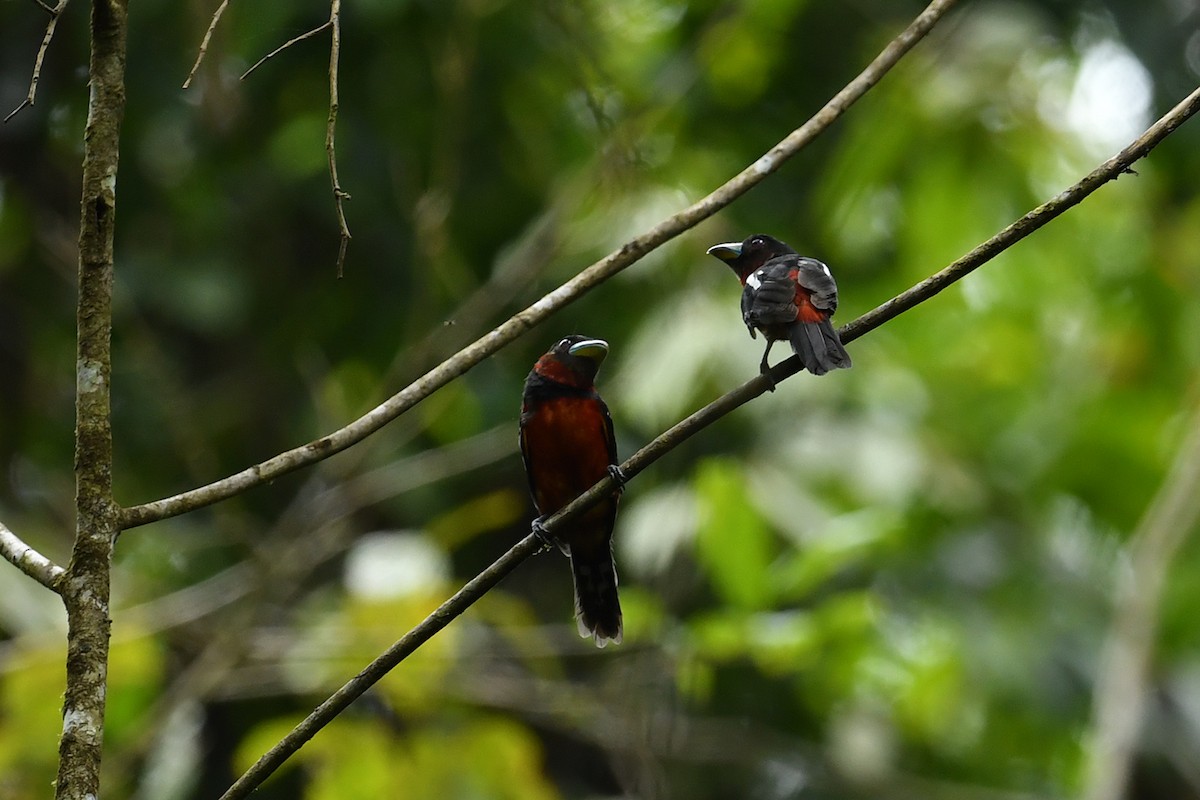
787 296
568 445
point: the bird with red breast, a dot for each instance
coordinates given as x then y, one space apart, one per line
787 296
568 445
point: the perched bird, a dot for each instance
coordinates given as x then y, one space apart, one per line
567 445
787 296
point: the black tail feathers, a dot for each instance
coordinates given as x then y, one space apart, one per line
597 608
818 346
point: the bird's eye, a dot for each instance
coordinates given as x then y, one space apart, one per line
757 241
563 343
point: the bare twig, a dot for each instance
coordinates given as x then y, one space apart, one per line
54 12
687 428
29 561
283 47
1119 698
570 291
212 26
339 194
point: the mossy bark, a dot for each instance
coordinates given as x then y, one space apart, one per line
86 585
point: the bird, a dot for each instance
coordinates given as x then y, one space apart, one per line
787 296
567 445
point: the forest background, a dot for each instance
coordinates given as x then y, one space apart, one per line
896 581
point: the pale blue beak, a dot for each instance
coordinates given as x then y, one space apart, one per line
727 251
593 349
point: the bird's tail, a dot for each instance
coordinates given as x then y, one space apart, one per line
597 608
818 346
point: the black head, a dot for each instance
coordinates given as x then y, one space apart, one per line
573 360
745 257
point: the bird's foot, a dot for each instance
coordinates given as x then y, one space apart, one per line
765 369
539 530
619 477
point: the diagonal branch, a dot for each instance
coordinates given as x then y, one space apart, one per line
212 26
685 429
55 12
29 561
285 46
1110 170
570 291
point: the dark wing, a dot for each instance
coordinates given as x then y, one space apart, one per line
747 307
770 295
815 277
526 455
610 437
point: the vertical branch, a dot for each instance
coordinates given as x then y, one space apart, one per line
85 588
1119 699
339 195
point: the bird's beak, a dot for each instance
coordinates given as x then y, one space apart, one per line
726 252
593 349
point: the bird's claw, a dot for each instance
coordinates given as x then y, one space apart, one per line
539 530
619 477
765 369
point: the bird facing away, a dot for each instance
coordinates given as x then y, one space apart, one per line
787 296
567 444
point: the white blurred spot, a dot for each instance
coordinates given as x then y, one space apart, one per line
394 564
655 527
1110 102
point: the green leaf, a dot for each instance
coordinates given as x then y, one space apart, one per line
733 543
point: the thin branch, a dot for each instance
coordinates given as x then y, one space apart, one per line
283 47
685 429
1110 170
30 561
1119 698
343 697
212 26
339 195
54 13
570 291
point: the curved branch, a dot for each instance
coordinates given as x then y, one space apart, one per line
685 429
570 291
340 195
212 26
55 12
30 561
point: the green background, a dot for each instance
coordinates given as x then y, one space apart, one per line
893 581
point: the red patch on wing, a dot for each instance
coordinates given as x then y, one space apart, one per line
805 310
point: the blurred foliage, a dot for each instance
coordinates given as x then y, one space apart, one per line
888 582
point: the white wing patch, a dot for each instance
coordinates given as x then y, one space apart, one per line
754 279
825 267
